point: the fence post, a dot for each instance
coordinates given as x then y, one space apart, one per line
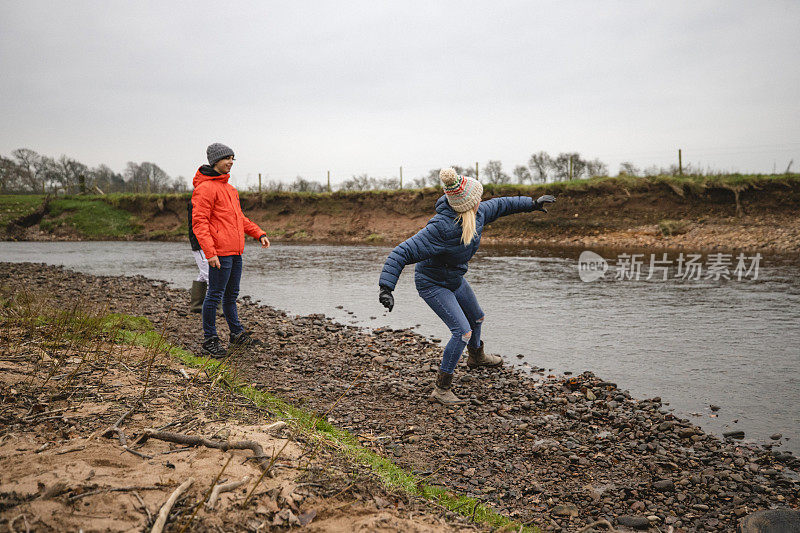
259 183
401 176
569 172
329 181
680 162
477 176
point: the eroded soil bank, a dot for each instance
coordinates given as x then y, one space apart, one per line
558 452
759 213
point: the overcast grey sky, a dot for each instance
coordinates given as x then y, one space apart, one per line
364 87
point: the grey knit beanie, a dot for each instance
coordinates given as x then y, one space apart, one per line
217 151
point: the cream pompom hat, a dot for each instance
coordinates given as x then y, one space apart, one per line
463 193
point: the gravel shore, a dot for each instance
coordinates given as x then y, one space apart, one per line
560 452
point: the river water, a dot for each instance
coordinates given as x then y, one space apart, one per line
731 343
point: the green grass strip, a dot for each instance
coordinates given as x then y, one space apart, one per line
14 206
139 331
91 217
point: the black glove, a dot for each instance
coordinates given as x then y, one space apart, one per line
539 203
386 299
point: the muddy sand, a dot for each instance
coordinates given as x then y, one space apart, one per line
560 452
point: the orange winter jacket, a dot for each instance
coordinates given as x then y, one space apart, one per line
217 218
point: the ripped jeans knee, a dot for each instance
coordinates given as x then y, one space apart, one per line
466 336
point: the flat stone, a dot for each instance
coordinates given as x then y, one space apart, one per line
737 434
664 485
565 509
636 522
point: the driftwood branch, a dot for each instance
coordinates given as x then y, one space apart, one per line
163 514
227 487
193 440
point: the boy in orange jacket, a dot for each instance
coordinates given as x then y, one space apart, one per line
220 225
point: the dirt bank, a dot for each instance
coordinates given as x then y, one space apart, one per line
728 213
558 452
95 435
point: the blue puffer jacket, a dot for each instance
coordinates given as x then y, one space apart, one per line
437 249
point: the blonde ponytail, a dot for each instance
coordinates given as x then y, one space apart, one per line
468 231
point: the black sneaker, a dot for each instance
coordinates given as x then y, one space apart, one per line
242 341
212 347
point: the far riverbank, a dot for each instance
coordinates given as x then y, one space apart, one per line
722 213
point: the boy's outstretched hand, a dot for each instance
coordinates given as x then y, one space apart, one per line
264 241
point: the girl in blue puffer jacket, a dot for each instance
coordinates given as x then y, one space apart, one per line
442 250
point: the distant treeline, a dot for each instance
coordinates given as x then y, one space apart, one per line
541 168
28 171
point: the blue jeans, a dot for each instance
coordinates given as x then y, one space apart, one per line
223 284
458 309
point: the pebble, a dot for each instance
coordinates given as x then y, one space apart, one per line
636 522
565 509
664 485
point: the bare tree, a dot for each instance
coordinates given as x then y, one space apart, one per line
429 180
28 162
301 184
569 165
106 179
493 172
388 184
595 167
68 173
522 174
156 179
541 165
626 168
356 183
9 175
147 177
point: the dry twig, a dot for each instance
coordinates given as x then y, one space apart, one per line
227 487
163 514
210 489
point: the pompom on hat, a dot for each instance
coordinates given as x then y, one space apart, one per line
463 193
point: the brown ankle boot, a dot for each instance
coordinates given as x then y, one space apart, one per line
442 393
478 358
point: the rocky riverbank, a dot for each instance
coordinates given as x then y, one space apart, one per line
560 452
